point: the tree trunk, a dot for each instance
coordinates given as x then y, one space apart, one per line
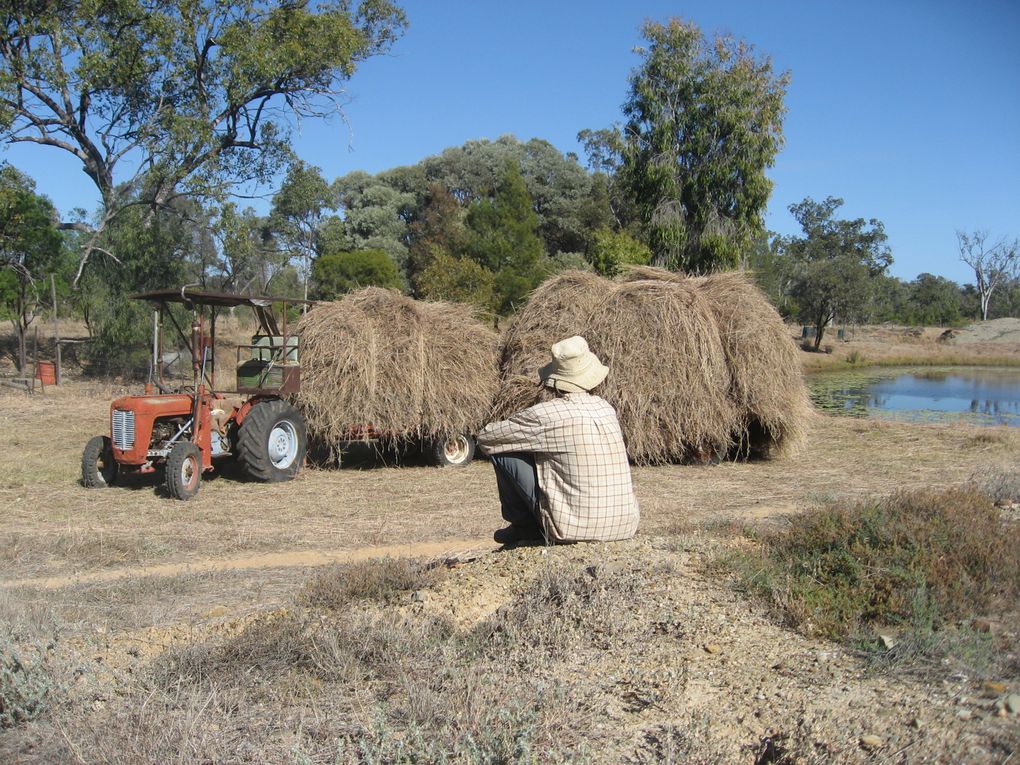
986 299
21 361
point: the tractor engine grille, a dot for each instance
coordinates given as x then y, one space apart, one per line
123 429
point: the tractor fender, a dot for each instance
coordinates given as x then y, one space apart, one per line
248 405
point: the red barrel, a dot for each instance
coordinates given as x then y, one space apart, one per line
47 372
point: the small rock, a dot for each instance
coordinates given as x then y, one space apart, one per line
712 648
992 688
964 714
916 723
871 741
888 641
1013 703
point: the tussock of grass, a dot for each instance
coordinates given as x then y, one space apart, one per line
376 682
377 580
25 680
1002 485
948 360
922 559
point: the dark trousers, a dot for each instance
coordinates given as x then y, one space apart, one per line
517 481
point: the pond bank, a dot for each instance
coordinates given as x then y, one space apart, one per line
988 344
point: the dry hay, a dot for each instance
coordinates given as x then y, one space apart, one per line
560 307
411 369
766 383
698 366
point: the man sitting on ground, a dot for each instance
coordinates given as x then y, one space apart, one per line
561 465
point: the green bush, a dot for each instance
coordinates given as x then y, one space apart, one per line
336 273
924 557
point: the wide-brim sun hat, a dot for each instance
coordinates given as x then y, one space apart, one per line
574 368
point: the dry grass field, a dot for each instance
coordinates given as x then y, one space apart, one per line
248 625
54 527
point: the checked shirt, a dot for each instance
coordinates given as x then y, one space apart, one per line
581 461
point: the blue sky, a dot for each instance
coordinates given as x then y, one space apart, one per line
908 110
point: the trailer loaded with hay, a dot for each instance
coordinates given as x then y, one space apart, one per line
701 368
380 366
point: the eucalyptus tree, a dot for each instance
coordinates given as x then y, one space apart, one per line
834 265
703 123
31 251
300 207
195 96
376 215
559 188
994 263
250 257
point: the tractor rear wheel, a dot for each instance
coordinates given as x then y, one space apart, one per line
453 451
98 467
184 470
271 442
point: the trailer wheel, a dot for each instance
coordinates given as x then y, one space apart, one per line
453 451
98 467
184 470
271 442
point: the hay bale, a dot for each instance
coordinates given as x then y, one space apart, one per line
698 366
766 383
412 369
668 375
666 361
559 307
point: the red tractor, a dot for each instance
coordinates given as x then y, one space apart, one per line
183 432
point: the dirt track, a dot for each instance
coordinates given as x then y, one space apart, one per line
452 549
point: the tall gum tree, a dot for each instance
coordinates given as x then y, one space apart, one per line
703 123
834 266
994 263
192 95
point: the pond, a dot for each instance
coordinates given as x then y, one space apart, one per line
978 395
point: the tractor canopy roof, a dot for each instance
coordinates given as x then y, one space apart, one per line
224 299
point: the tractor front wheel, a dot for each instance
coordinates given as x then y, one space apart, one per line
184 470
98 467
271 442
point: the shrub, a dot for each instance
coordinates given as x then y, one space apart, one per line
24 685
841 571
338 272
1002 485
